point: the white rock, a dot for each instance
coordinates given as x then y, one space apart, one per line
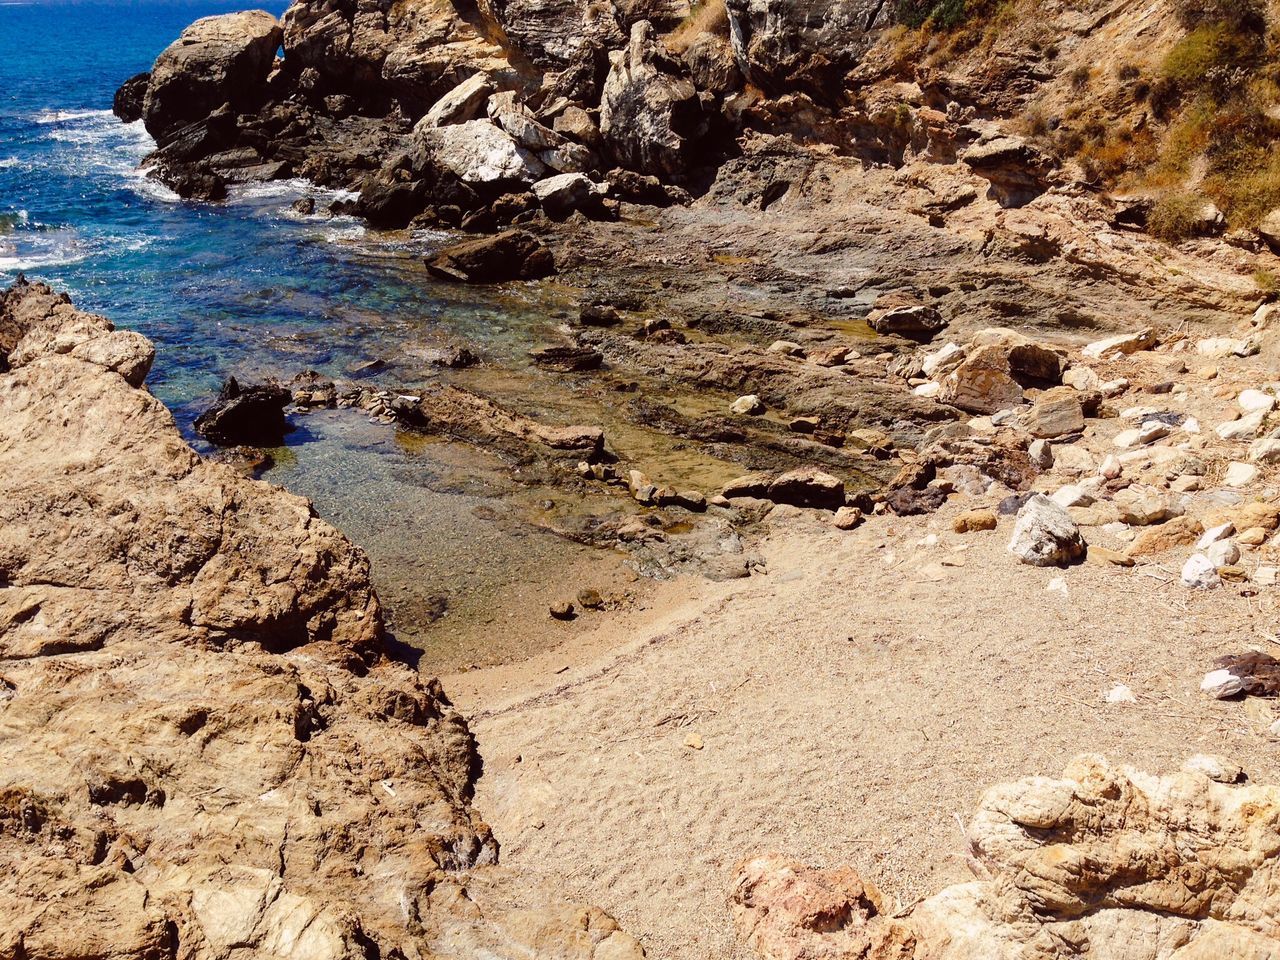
1124 344
1218 769
1191 425
565 192
464 102
1265 451
1200 573
1266 576
1057 585
1221 684
1227 346
479 151
1082 379
1246 428
1041 453
1072 495
1153 430
928 390
942 360
1113 388
1120 694
1240 474
1111 468
749 405
1253 400
1214 534
1224 553
1045 535
1127 439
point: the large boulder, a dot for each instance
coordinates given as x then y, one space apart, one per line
650 115
478 152
552 33
511 255
216 60
246 416
782 45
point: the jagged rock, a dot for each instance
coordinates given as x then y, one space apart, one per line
651 117
1269 230
1054 414
464 102
784 45
217 60
1015 169
477 152
246 416
129 100
982 383
1045 535
562 194
1121 345
511 255
1200 572
905 318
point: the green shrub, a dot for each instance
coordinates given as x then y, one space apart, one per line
1238 16
941 14
1175 217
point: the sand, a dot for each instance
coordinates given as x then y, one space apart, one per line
851 706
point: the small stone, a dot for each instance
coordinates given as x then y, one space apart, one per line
1041 453
1251 401
847 518
1122 345
1072 496
1109 556
590 599
1143 506
1266 576
1200 573
562 610
789 347
1218 769
972 521
1045 535
693 741
1186 485
1253 537
1240 474
1120 694
1214 534
942 360
1265 451
1245 428
1111 468
1178 532
928 390
1221 684
1224 553
1056 413
804 424
748 406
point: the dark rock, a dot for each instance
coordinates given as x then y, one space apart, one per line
128 101
598 315
246 416
305 206
569 359
511 255
905 317
194 184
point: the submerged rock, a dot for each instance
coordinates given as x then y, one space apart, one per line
511 255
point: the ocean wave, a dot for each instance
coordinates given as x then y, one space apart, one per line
9 163
46 117
344 233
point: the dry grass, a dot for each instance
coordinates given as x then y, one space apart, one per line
707 17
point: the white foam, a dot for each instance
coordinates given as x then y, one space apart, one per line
63 116
8 163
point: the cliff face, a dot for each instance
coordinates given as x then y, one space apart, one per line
204 750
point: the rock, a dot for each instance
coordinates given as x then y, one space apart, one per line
511 255
847 518
1041 454
788 347
562 194
129 100
747 406
1240 474
651 117
1251 401
1228 346
1201 573
1269 230
1221 684
1252 673
1218 769
246 416
1045 535
1245 516
217 60
1122 345
1266 576
1224 553
477 152
904 318
1253 537
590 599
568 359
1265 451
1120 693
464 102
1142 506
1245 428
806 487
983 383
562 611
972 521
1113 557
1054 414
1072 495
1111 468
1214 534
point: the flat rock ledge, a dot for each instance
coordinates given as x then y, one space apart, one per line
205 750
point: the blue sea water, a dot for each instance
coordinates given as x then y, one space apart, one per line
248 287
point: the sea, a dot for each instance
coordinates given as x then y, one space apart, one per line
250 288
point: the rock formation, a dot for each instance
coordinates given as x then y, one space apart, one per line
1104 862
207 750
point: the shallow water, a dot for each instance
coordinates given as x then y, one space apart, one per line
252 289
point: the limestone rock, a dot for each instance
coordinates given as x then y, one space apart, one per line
983 383
217 60
562 194
1045 535
464 102
650 116
478 152
1122 345
1178 532
1201 573
972 521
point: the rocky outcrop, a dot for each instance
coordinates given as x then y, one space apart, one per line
650 115
207 750
1104 862
785 45
217 60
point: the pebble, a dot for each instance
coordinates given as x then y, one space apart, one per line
847 518
1041 453
1224 553
1217 769
1266 576
749 405
1221 684
1253 400
1265 451
590 599
1214 534
1253 537
1200 573
562 611
1120 694
1245 428
1240 474
1111 468
972 521
1072 496
693 741
928 390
